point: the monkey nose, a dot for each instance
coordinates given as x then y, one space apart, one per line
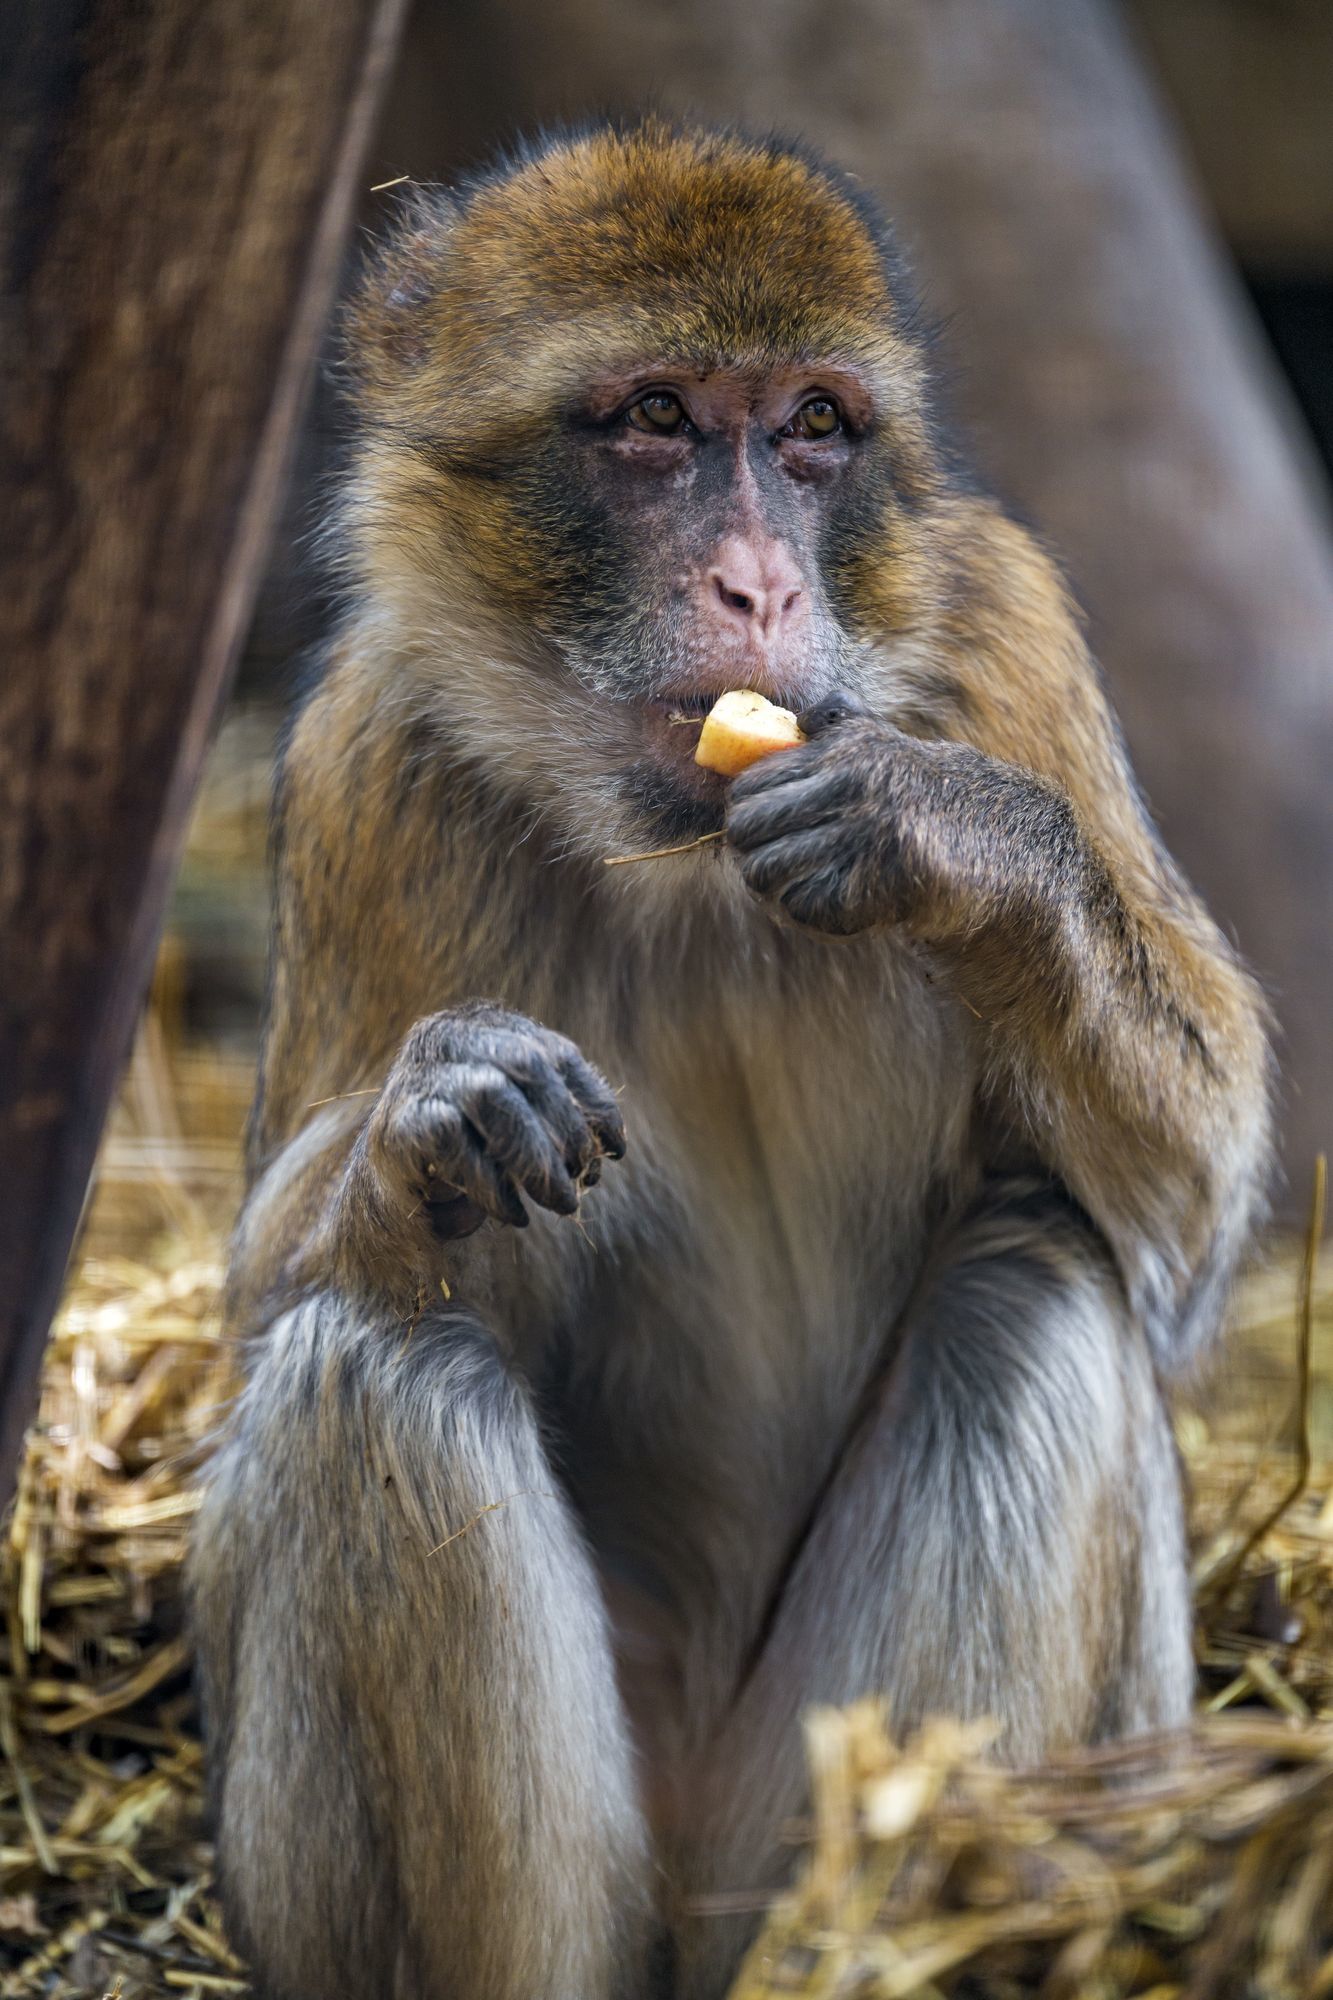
756 587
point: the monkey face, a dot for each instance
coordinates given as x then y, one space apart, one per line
707 500
647 409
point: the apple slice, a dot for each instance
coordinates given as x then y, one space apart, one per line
740 728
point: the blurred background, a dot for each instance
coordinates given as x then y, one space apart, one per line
1123 221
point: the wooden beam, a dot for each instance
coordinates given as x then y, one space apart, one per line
175 188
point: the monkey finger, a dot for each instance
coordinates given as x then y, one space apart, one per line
492 1189
790 808
563 1116
771 869
769 773
531 1069
519 1142
595 1098
818 902
457 1158
420 1144
831 713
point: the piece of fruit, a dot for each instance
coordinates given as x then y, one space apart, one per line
740 728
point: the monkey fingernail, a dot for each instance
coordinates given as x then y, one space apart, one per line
827 714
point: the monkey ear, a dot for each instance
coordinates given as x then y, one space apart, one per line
392 313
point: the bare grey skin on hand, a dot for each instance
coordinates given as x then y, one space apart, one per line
769 1295
480 1109
868 826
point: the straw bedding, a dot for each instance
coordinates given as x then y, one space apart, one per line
1190 1868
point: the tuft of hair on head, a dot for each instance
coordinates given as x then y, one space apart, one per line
714 244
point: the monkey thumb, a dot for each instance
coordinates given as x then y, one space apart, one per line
829 712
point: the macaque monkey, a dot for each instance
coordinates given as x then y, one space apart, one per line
677 1293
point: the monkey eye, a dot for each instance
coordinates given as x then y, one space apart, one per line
820 417
659 413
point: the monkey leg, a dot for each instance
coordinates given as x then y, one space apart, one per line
1004 1538
421 1774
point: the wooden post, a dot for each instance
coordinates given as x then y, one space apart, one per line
1099 350
175 188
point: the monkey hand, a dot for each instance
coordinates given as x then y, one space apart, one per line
864 826
480 1108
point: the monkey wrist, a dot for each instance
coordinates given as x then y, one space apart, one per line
379 1236
997 862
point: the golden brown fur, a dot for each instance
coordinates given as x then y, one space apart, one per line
526 1549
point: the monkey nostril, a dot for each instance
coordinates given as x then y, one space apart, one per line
763 605
735 600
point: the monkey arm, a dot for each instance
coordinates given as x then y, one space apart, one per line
1121 1036
480 1108
396 1111
1139 1051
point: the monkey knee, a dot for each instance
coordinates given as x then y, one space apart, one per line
1044 1473
355 1450
409 1690
333 1398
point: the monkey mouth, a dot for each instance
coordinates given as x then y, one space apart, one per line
676 719
672 797
671 729
667 735
666 731
684 707
692 703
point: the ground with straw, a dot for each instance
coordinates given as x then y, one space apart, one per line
1191 1868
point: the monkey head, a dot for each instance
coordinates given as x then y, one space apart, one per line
642 416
